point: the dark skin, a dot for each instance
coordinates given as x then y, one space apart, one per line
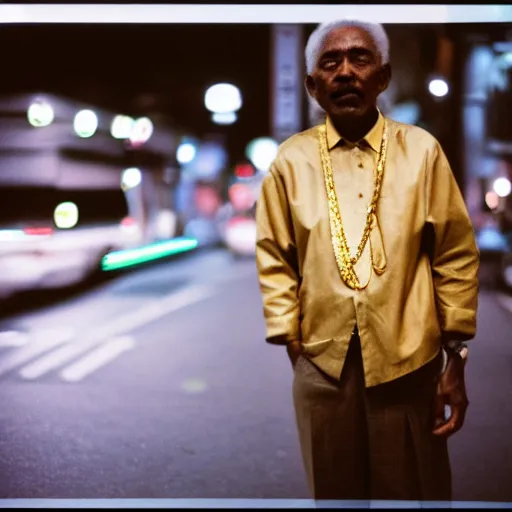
348 78
451 390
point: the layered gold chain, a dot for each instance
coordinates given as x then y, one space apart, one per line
345 261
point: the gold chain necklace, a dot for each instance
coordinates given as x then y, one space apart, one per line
341 248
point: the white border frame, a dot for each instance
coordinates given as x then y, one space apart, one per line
268 14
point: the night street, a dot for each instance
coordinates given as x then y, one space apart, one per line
158 384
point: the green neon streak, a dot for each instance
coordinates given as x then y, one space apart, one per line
130 257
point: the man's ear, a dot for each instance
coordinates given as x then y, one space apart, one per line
309 82
385 77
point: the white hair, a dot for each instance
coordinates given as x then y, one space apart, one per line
320 34
316 41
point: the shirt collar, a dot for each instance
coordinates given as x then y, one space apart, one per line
373 137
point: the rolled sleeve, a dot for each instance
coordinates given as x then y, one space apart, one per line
276 260
456 257
283 329
458 323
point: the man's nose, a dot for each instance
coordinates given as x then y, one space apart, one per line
344 70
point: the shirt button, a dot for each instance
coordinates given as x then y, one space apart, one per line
360 165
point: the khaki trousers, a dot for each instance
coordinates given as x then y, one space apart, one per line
375 443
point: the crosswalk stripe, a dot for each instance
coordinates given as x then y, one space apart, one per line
13 338
118 326
43 341
56 358
96 359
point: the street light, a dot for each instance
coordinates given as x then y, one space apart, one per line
502 187
438 87
223 98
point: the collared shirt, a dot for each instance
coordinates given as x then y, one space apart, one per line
420 263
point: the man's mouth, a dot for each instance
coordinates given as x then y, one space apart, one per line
346 94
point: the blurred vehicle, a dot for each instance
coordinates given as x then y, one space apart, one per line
53 238
78 183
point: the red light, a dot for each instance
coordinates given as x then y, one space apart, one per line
244 171
237 221
241 196
38 231
207 200
128 221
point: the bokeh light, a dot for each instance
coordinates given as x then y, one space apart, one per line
225 118
502 187
492 200
121 127
85 123
131 178
142 130
185 153
262 152
66 215
438 87
241 196
40 113
223 98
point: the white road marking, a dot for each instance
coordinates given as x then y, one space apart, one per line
126 323
100 357
13 338
44 341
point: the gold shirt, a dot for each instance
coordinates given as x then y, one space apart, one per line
422 284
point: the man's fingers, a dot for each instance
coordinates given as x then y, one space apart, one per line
454 422
439 404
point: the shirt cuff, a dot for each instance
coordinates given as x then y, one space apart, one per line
283 329
458 324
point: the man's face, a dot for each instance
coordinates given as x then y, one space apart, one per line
349 75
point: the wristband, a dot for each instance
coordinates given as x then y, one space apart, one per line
459 348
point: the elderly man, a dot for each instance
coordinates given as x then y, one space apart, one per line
368 266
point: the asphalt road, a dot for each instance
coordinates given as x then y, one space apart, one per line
158 384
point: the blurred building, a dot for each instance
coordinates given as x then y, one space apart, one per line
487 110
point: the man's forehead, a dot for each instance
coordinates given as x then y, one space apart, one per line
344 38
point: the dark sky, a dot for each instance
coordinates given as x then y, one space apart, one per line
139 69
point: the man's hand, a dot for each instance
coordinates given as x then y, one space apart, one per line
294 350
451 391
